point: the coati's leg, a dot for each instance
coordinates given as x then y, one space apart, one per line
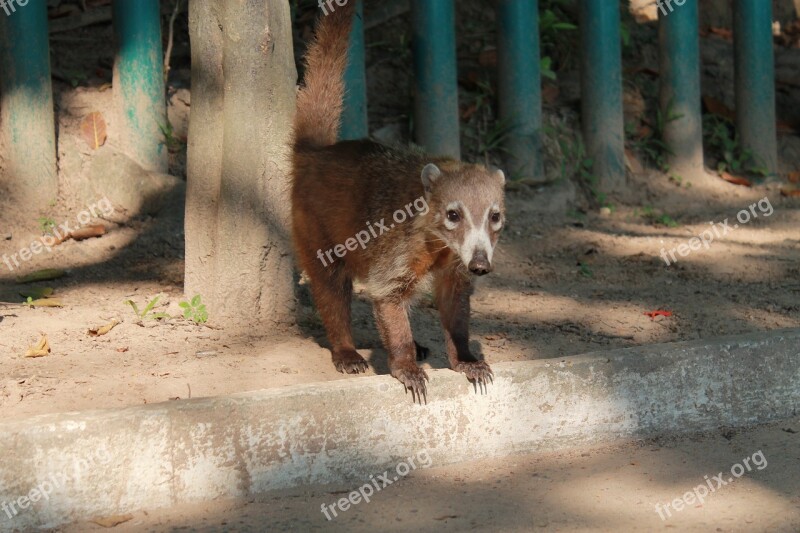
453 290
333 291
395 329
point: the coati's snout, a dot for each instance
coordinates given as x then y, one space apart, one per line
480 264
467 202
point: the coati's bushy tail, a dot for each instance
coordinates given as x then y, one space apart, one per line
320 101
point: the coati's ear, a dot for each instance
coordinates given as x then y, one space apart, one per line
498 174
430 174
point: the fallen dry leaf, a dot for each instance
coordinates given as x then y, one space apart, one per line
790 193
40 349
488 57
716 107
36 292
46 302
794 177
112 521
725 33
550 92
736 180
41 275
88 232
654 314
93 130
96 332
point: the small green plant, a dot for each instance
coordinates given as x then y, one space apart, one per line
173 143
652 145
546 68
557 36
146 313
577 215
576 162
493 138
46 224
654 217
584 270
723 142
195 310
74 77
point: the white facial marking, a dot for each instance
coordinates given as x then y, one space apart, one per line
477 238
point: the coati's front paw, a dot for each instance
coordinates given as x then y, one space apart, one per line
413 378
478 372
349 362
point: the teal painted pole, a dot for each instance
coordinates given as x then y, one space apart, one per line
139 81
755 80
28 122
679 96
436 120
354 116
601 91
520 85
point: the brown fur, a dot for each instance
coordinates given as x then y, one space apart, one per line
319 104
340 188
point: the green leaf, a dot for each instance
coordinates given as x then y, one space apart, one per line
151 305
135 307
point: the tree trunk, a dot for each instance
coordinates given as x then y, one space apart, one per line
238 248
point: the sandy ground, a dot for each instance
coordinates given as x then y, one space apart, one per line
563 285
569 279
611 488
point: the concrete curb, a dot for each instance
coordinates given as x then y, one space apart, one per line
100 463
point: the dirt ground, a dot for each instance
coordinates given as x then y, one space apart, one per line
563 286
570 277
609 488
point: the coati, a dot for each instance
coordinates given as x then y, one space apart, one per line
339 188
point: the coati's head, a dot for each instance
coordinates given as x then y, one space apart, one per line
467 209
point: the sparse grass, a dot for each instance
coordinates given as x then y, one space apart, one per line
46 224
652 145
724 144
584 270
575 162
173 143
655 217
146 313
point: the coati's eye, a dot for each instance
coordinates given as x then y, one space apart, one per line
453 216
495 218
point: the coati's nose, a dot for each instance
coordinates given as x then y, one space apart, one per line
479 264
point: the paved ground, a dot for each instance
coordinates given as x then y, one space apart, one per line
613 488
